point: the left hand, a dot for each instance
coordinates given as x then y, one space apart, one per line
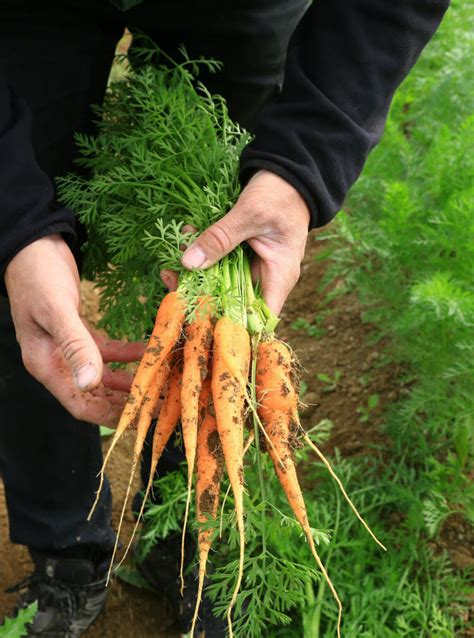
273 218
58 348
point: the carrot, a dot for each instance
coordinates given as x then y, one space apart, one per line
197 347
145 417
209 466
166 331
165 426
229 379
278 410
248 443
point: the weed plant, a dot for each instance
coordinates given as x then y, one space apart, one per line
18 626
406 244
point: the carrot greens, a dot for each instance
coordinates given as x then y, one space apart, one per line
166 154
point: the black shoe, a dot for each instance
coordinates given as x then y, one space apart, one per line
70 592
160 568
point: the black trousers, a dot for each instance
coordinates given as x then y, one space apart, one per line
58 56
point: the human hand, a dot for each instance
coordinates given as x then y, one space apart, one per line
273 218
57 347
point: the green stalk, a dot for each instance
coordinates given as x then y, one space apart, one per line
271 319
255 321
260 317
232 295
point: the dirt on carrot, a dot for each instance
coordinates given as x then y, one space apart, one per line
230 371
196 353
209 469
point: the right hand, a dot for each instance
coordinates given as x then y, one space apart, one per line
57 347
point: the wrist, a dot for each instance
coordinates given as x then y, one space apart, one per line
43 274
32 251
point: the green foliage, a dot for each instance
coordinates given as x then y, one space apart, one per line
314 329
411 242
130 575
407 591
330 382
407 246
105 431
303 389
166 152
365 411
16 627
165 517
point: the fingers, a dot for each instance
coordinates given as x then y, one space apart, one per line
273 218
277 280
219 239
98 410
113 417
170 279
77 347
117 379
56 346
102 406
116 350
114 397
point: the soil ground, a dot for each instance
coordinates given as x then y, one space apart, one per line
343 344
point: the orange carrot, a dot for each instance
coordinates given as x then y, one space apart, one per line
167 420
197 347
209 466
288 400
166 331
229 380
248 443
278 410
147 412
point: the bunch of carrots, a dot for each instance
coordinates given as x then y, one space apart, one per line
166 155
214 370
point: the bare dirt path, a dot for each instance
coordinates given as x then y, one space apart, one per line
342 346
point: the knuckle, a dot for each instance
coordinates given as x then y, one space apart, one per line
72 347
46 311
219 236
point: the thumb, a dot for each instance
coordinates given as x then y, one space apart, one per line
218 240
78 348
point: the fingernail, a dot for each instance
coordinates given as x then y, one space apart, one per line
193 257
85 375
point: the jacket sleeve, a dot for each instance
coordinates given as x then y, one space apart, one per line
345 60
27 206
